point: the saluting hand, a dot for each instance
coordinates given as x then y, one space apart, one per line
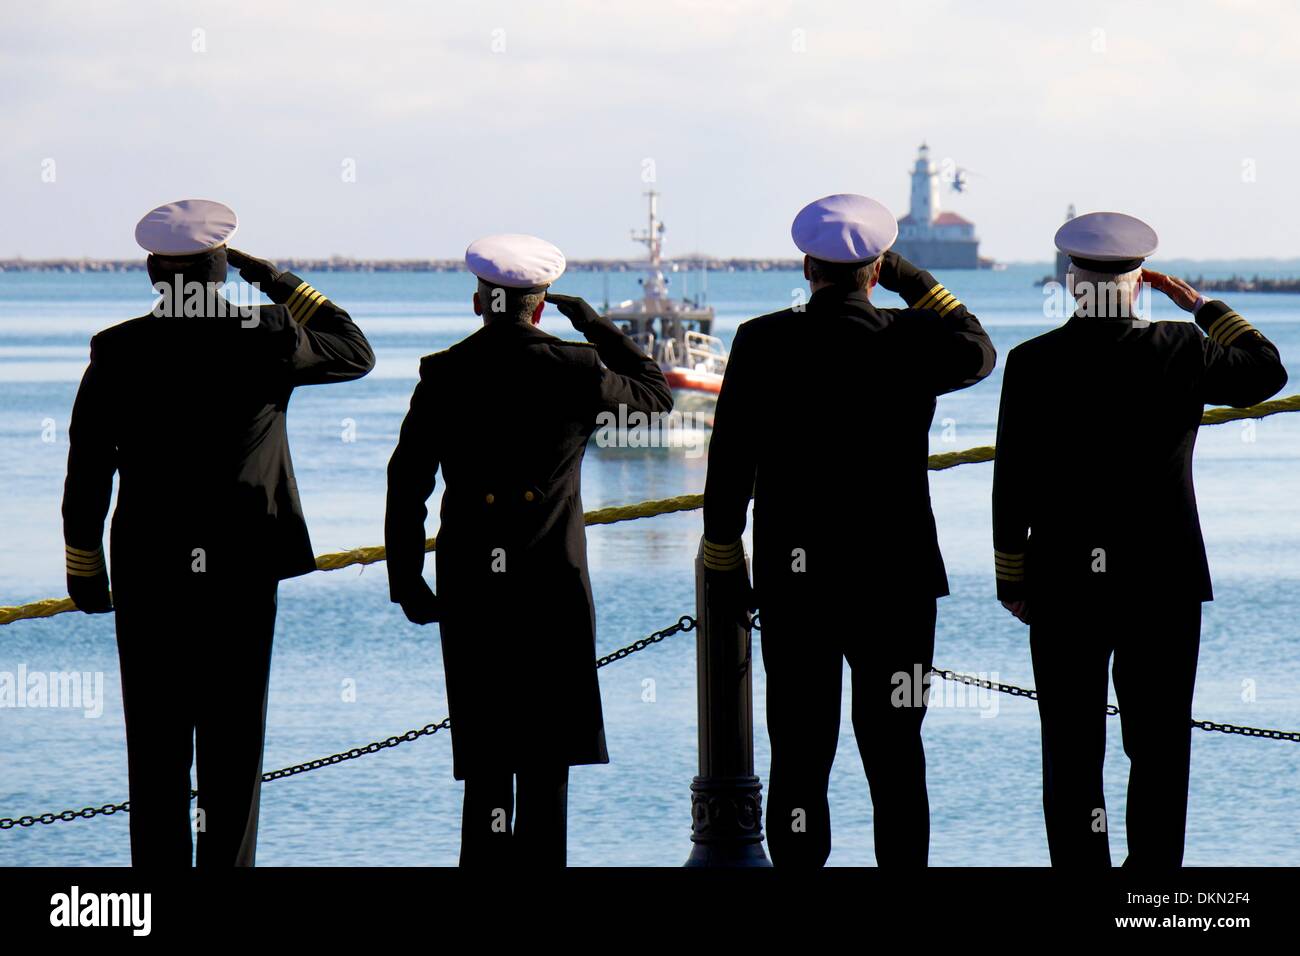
252 270
574 308
1184 296
889 263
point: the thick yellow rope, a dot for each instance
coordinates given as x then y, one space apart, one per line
1217 416
649 509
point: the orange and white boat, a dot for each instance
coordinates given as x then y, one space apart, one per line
677 333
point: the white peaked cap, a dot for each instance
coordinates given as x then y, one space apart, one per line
514 260
844 228
186 227
1106 241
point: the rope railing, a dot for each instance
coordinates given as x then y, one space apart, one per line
336 560
644 509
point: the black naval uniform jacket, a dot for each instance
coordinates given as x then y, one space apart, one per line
1092 484
190 412
506 413
824 416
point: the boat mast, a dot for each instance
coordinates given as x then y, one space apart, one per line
654 286
652 237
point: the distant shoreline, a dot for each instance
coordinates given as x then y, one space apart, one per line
1247 279
342 264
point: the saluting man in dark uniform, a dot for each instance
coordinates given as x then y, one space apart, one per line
188 406
506 415
833 446
1095 529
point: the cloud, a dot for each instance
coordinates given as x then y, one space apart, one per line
462 117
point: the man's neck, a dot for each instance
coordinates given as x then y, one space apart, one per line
1113 310
816 287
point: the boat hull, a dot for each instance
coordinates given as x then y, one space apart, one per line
694 393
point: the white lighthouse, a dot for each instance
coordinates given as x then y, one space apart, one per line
928 236
925 188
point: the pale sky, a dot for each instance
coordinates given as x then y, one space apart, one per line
469 117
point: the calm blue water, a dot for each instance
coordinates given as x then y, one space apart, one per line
402 806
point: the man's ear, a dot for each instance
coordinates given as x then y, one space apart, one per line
478 305
537 312
875 274
807 272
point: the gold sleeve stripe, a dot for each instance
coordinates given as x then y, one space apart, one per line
303 287
1229 328
1009 567
723 557
83 564
723 550
298 301
311 309
1224 330
1228 338
922 302
723 566
1218 323
939 300
304 302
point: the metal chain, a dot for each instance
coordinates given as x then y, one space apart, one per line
1291 735
107 809
684 623
1112 710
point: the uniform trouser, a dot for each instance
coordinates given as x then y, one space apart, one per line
803 656
536 836
1155 643
195 661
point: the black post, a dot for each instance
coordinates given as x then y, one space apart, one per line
726 798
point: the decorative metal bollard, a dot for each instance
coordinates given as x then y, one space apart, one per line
726 797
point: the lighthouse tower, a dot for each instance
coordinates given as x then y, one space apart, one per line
925 188
928 236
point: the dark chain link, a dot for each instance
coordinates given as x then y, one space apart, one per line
1209 725
684 623
1112 710
355 752
107 809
